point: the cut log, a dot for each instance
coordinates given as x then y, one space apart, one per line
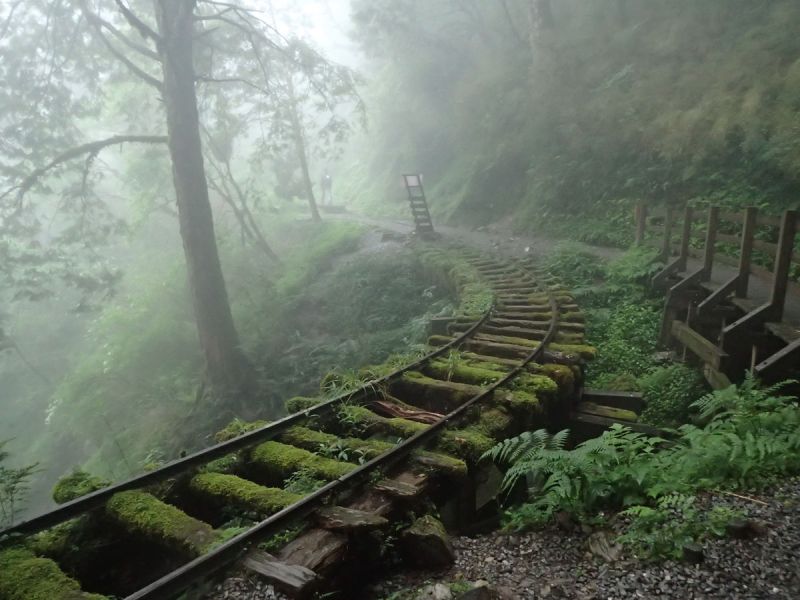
339 518
296 580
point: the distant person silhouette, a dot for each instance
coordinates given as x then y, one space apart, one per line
327 189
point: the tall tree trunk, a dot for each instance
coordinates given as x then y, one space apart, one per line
228 369
300 145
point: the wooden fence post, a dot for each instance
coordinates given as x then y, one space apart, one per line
746 255
685 237
666 249
641 222
783 262
711 241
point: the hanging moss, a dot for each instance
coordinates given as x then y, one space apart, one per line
232 490
77 484
23 576
144 514
279 461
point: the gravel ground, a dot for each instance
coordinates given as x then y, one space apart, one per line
555 564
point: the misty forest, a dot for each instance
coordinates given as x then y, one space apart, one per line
371 299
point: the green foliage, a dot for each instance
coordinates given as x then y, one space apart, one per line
751 437
668 393
663 531
14 486
77 484
574 266
303 482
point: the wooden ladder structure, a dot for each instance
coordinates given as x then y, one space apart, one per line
419 205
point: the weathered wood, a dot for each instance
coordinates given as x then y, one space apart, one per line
666 246
716 379
407 486
787 332
703 348
617 414
746 250
783 263
717 296
785 357
318 550
632 401
685 237
339 518
293 579
711 242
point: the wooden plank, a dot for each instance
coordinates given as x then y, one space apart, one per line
339 518
769 221
716 379
731 217
765 247
785 357
294 579
783 263
700 346
717 295
686 237
785 331
711 241
746 251
620 415
734 240
626 400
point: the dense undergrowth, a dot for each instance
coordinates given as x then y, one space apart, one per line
649 488
653 492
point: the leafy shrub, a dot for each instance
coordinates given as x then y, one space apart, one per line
574 266
669 391
751 437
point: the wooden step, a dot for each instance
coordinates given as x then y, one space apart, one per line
632 401
789 333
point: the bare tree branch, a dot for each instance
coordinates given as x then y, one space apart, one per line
99 21
98 33
9 18
144 30
92 148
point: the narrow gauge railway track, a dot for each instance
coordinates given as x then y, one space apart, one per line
526 323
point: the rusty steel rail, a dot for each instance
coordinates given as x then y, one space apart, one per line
176 581
96 499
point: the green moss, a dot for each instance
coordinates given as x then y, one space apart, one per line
520 401
463 372
494 422
77 484
361 417
562 375
227 464
144 514
281 460
301 403
232 490
468 443
585 351
58 540
23 576
236 428
314 441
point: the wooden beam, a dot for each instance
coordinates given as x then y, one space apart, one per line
721 293
625 400
789 355
711 242
746 251
686 237
783 263
295 579
666 247
716 379
707 351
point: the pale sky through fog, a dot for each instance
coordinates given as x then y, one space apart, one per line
325 23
